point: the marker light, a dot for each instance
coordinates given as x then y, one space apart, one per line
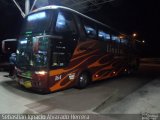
36 16
96 75
71 76
40 72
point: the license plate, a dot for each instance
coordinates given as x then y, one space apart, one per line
26 84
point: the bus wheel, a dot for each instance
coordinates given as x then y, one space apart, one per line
83 80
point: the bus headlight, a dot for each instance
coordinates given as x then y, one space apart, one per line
41 72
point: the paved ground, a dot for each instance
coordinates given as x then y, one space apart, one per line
18 100
125 94
144 101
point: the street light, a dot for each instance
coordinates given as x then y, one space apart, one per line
143 41
121 37
134 34
133 38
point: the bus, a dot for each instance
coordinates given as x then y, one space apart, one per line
8 46
61 48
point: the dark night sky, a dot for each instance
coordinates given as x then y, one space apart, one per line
140 16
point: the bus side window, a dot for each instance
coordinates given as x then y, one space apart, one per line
112 43
124 44
115 44
89 28
65 24
118 46
104 38
81 31
103 35
90 31
63 48
66 27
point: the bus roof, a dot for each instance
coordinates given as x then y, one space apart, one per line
66 8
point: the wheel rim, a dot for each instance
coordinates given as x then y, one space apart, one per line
83 80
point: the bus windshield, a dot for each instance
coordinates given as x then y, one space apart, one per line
32 52
39 22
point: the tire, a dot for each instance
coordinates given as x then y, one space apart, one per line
83 81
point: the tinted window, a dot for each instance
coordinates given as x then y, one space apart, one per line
65 23
39 22
62 48
89 27
59 53
115 38
103 35
32 52
90 31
